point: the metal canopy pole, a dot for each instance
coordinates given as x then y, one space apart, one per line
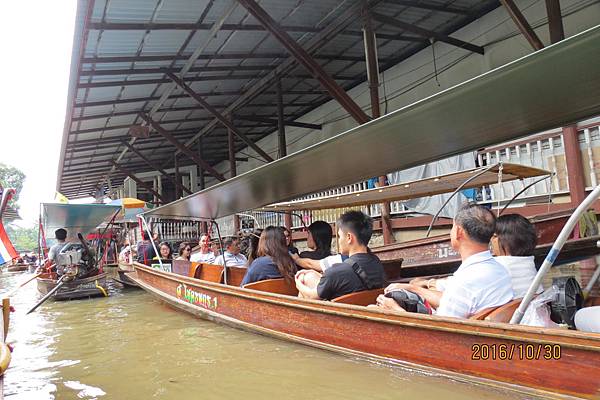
555 25
553 253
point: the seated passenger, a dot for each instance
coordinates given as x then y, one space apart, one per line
252 253
361 271
513 245
205 255
165 251
232 256
145 250
480 282
185 251
273 259
319 240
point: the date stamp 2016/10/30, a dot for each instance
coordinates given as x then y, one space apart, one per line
515 351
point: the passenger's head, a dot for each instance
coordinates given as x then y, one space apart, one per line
473 226
204 243
253 246
165 250
185 250
144 235
354 231
60 234
319 237
232 245
272 244
515 236
288 235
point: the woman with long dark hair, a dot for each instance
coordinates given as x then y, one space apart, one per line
319 240
273 260
185 251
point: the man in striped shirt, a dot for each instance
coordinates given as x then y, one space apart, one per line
480 282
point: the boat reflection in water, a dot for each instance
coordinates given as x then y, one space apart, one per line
130 346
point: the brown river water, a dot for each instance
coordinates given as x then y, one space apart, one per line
131 346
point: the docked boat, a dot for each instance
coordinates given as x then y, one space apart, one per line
82 273
17 268
490 347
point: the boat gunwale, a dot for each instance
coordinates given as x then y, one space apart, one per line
430 322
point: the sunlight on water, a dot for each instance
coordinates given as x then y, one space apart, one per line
131 346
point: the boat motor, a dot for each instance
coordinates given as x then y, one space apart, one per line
76 260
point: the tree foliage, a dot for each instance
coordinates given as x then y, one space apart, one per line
24 239
11 177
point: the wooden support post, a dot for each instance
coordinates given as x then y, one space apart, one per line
177 178
280 121
555 25
574 163
522 24
233 171
373 77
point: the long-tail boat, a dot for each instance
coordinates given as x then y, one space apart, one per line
78 220
514 100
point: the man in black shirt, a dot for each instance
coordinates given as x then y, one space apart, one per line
361 271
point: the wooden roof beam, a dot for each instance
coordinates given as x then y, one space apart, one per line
227 123
427 33
193 156
274 122
164 70
229 56
429 6
178 26
304 58
521 22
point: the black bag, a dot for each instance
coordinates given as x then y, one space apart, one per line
410 301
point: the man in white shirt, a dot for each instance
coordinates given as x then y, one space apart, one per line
479 283
232 256
61 236
205 255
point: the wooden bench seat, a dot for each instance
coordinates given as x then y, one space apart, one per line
235 275
362 298
279 286
207 272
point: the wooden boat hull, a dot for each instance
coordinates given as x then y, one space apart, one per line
445 345
17 268
435 255
78 289
123 279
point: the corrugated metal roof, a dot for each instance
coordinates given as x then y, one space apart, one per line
121 71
